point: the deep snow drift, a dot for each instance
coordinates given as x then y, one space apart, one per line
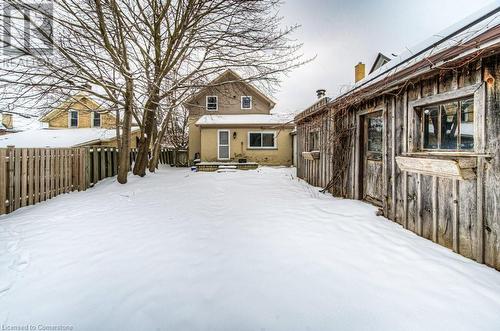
256 250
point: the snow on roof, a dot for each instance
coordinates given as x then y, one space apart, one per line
54 138
458 34
455 35
250 119
23 123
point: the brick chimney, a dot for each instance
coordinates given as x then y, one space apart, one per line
359 72
7 121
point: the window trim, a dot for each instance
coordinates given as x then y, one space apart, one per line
93 119
419 111
262 147
216 102
309 142
77 119
477 91
228 144
251 102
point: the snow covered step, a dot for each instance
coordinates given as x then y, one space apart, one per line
228 167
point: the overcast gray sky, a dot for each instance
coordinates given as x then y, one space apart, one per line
342 33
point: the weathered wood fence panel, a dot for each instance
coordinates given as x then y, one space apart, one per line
32 175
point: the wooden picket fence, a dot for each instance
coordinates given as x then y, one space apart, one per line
32 175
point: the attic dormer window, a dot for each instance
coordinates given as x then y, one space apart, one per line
73 119
212 104
246 102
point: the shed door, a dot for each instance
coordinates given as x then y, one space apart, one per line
372 128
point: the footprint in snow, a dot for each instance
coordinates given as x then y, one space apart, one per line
21 262
5 285
12 246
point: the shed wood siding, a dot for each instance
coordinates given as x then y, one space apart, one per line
462 215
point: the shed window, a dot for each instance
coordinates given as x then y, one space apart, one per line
375 126
73 119
261 140
449 126
96 120
212 104
246 102
313 141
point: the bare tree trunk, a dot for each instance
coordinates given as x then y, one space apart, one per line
142 160
124 152
153 163
118 126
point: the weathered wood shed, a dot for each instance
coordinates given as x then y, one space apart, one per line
419 137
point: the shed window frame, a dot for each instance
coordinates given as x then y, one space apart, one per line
439 135
71 119
411 125
314 141
251 102
209 105
262 133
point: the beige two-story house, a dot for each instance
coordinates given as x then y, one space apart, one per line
77 112
230 121
76 122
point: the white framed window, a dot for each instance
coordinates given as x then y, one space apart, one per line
96 119
73 119
212 103
223 145
246 102
262 140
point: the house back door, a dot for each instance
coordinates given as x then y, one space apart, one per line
371 177
223 145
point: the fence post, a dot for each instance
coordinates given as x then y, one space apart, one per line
24 176
87 165
3 180
102 171
31 180
11 178
109 170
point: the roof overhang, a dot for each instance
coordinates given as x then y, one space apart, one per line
253 125
487 43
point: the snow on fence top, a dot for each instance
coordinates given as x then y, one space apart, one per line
57 138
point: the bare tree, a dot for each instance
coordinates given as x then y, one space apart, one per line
142 56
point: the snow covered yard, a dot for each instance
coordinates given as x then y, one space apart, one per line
256 250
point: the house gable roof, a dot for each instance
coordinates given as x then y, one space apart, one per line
231 76
80 97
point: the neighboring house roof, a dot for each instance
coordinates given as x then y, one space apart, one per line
58 138
22 123
228 76
249 119
67 104
380 60
476 33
